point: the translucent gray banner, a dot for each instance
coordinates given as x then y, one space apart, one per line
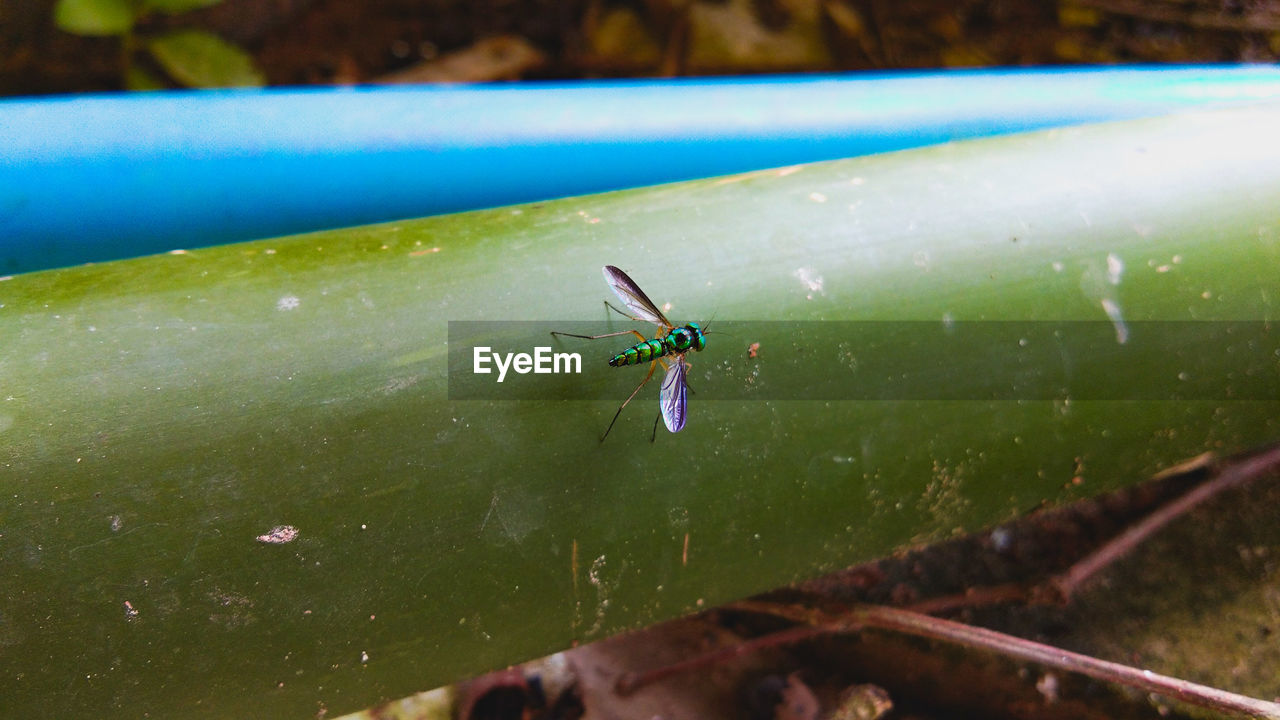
882 361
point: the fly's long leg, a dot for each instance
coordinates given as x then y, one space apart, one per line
624 314
613 334
652 366
597 337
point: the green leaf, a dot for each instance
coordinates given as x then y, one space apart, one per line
140 79
165 421
94 17
174 7
199 59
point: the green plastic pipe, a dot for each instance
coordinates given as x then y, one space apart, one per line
235 483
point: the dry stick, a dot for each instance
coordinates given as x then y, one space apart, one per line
1062 587
917 625
974 597
628 683
1233 475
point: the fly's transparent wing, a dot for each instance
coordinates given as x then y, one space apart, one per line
674 396
633 297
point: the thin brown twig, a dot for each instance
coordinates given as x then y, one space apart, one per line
628 683
1231 476
974 597
1060 588
920 625
917 625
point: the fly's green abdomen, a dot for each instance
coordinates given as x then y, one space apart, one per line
640 353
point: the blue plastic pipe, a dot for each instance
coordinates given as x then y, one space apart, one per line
101 177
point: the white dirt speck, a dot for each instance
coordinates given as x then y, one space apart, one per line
811 280
288 302
602 593
279 535
1115 268
1048 687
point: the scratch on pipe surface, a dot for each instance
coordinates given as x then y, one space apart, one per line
1112 310
602 594
109 538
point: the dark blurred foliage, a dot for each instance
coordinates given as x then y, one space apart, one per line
299 42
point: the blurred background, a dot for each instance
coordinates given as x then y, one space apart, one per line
64 46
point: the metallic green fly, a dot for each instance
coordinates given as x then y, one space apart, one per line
670 342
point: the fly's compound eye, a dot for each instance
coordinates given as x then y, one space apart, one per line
681 339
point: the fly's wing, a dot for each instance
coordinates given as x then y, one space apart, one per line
633 297
674 395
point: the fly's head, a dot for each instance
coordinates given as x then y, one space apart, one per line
688 337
